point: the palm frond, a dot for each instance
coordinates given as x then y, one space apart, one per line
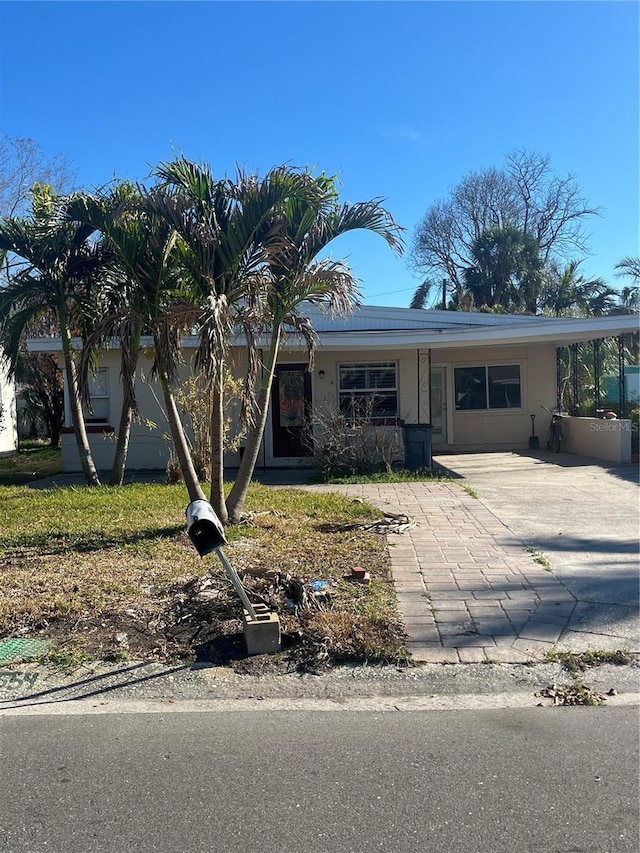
629 267
12 331
419 298
303 326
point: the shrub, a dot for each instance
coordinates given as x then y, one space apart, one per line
355 443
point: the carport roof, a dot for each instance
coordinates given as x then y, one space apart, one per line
375 327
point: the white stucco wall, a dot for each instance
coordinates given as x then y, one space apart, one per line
8 426
149 443
465 430
498 429
602 439
149 448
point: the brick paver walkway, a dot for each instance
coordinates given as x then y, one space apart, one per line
468 591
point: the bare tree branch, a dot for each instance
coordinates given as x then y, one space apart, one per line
525 194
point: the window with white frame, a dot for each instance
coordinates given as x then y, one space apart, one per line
368 389
491 387
99 397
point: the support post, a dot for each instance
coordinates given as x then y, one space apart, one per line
261 626
575 386
596 372
621 384
237 583
430 409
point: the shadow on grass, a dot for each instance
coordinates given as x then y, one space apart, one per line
61 543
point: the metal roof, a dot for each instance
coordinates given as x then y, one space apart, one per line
377 327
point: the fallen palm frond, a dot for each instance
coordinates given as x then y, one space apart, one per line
389 523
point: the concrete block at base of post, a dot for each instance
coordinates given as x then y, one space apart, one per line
262 634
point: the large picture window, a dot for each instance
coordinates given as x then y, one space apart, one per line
369 390
495 387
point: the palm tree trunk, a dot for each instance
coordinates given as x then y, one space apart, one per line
180 444
126 415
122 447
217 444
238 493
77 415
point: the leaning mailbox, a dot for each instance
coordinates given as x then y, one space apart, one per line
204 528
261 626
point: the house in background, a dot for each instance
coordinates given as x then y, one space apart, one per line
8 413
475 377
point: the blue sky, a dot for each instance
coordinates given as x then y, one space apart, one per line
401 99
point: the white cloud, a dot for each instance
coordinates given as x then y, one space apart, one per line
399 131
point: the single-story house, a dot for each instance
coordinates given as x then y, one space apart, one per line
477 378
8 413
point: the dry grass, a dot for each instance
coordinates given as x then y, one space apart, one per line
110 573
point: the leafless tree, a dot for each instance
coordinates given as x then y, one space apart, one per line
525 194
24 163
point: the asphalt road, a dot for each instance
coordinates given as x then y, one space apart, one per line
560 780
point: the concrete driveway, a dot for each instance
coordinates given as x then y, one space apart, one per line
580 513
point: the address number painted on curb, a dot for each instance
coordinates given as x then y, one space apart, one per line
18 681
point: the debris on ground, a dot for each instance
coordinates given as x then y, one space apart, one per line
141 594
390 522
574 694
360 575
200 619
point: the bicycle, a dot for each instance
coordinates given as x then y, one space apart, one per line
554 439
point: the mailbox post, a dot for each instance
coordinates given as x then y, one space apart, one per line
261 626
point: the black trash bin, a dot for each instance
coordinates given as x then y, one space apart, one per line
417 446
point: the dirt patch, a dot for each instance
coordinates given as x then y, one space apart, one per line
200 620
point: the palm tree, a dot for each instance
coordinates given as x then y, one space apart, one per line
421 294
153 297
113 202
629 267
226 230
58 261
629 296
569 294
507 271
293 278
